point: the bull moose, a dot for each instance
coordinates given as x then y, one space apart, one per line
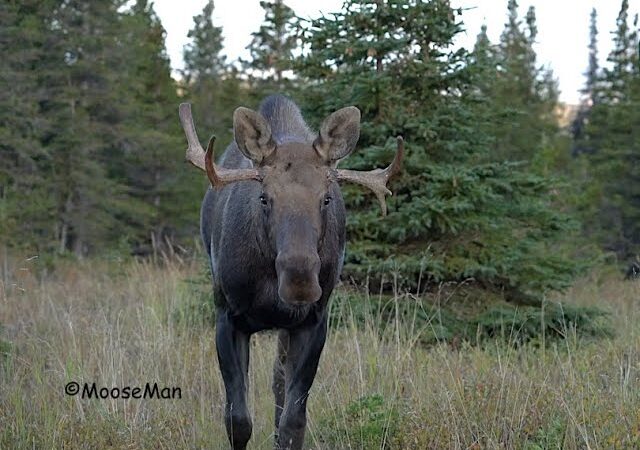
273 224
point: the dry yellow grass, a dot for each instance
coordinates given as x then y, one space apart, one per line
116 326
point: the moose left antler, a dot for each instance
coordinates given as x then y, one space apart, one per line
376 179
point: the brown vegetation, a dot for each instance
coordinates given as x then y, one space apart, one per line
129 324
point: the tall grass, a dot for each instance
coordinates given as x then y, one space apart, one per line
128 324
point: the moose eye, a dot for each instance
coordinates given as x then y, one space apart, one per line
327 200
263 200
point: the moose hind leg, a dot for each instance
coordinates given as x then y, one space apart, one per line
279 378
305 347
233 357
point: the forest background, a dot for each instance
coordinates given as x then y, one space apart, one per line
499 192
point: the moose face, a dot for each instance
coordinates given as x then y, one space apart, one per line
296 198
297 207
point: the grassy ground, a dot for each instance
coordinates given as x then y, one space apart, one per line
128 325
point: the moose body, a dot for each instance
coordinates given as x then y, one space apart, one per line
273 224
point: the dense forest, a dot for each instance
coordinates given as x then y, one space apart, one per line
494 192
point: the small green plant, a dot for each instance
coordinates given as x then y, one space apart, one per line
367 423
550 437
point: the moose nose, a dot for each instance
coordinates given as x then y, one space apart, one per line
298 278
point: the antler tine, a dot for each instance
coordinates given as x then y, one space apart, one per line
218 176
376 179
210 166
195 152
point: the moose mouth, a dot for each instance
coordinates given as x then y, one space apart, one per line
298 291
298 283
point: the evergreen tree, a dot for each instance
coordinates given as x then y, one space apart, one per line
592 70
211 85
484 68
525 94
25 206
202 56
584 193
272 45
90 130
621 58
484 56
614 133
79 86
452 217
148 160
580 144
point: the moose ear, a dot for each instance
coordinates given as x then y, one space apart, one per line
252 134
339 134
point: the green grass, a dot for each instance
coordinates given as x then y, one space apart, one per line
389 377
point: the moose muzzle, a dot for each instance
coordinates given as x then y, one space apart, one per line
298 278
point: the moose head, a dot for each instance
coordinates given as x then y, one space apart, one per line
299 199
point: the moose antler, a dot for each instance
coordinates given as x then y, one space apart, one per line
218 176
376 179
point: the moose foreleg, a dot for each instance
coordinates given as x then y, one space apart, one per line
233 357
305 347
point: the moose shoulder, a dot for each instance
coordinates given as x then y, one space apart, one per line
273 224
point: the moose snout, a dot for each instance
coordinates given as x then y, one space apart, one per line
298 278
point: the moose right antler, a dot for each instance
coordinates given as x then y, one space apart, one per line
218 176
376 179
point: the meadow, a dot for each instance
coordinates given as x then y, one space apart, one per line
378 387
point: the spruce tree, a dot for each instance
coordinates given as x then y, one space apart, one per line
621 59
25 204
484 58
202 56
149 162
272 45
210 84
614 133
88 163
523 92
79 83
589 96
592 70
452 217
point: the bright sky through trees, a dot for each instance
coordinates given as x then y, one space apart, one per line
562 39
